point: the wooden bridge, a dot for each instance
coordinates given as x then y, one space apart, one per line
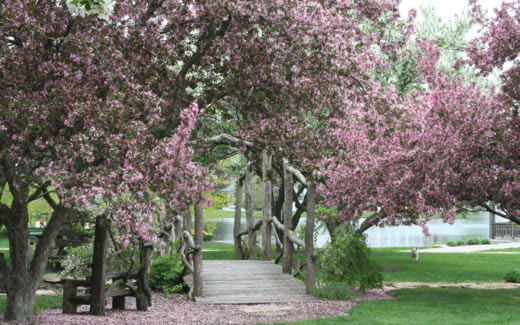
247 282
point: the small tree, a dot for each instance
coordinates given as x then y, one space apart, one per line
347 260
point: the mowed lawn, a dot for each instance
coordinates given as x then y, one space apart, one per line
435 306
444 267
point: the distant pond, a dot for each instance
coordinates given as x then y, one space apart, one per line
477 225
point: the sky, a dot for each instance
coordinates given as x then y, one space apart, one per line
445 8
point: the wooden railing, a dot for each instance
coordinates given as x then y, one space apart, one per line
505 230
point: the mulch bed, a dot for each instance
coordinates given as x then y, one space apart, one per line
178 309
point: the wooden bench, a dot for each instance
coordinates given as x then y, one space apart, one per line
118 290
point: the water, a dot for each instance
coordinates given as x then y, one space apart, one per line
477 225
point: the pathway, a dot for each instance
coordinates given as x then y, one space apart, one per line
469 248
248 282
469 285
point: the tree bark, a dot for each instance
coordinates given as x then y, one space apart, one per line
143 296
186 224
309 236
197 257
287 219
238 220
267 208
97 300
23 277
20 289
251 235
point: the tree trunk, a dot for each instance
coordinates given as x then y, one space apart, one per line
238 220
143 296
197 256
267 208
23 277
20 306
251 235
97 298
287 219
309 236
186 224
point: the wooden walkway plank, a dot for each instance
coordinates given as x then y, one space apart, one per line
248 282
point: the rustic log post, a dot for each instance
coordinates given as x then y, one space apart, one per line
238 220
186 222
287 218
143 296
197 256
492 234
309 236
69 290
118 303
251 234
267 208
97 300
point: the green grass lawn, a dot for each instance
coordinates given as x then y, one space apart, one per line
449 267
435 306
216 251
515 250
40 303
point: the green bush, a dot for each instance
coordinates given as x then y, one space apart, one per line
219 199
166 274
485 241
512 276
473 241
451 243
460 243
333 291
348 261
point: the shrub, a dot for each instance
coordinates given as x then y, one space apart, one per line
512 276
333 291
451 243
166 274
460 243
485 241
347 261
473 241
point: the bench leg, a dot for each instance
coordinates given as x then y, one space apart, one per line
69 290
118 303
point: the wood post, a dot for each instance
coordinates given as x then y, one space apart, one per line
186 222
492 234
69 290
118 303
97 300
238 220
143 297
309 236
267 208
251 234
287 219
197 256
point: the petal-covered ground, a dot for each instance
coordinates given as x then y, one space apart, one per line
178 309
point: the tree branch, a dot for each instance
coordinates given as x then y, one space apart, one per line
226 138
299 176
291 235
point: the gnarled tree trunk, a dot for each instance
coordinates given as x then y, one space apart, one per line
238 220
267 208
251 234
287 219
309 236
197 256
